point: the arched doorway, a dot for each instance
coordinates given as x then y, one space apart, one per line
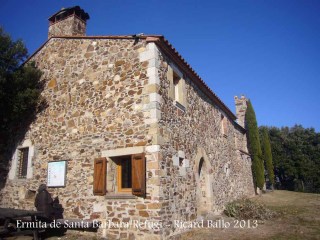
204 202
202 188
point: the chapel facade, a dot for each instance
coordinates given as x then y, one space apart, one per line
142 137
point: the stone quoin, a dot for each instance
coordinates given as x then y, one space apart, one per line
145 139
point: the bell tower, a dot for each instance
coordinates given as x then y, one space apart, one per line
68 22
241 107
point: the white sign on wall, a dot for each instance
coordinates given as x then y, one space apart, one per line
57 172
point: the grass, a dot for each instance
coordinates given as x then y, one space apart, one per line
297 217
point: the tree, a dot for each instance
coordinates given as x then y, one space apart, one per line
267 155
296 158
254 146
20 95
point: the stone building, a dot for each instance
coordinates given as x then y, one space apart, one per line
144 138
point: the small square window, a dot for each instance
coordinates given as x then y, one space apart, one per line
181 161
177 87
23 162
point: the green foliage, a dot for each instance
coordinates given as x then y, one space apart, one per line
247 209
254 146
12 54
296 158
267 154
20 89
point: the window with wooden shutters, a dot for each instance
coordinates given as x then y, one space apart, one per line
99 176
127 175
138 163
23 162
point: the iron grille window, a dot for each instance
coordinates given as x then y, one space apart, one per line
23 162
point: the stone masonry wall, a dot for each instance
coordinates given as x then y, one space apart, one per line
71 26
194 135
109 95
99 98
241 106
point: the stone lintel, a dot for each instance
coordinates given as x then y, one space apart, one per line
176 70
122 151
181 154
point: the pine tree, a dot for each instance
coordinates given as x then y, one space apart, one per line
254 146
267 154
20 97
20 87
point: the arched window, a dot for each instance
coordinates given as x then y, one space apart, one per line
200 165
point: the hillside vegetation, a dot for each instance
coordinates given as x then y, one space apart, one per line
296 158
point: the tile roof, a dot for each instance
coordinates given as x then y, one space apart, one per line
75 9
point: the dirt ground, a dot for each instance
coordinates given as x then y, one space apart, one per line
298 218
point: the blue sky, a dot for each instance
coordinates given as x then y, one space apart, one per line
268 50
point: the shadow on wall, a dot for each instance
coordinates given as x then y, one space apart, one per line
13 131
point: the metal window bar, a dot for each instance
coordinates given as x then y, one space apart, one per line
23 162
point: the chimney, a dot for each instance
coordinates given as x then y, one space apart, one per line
241 107
68 22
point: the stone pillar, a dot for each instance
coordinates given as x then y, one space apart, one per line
241 107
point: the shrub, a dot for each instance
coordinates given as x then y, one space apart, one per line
247 209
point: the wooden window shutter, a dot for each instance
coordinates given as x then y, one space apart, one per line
99 176
138 175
